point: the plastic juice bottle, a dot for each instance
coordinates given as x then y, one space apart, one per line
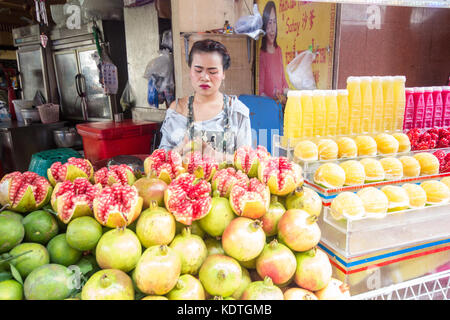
408 121
419 107
307 128
292 115
388 103
429 107
332 112
438 107
446 106
343 112
366 104
399 102
355 103
377 97
320 113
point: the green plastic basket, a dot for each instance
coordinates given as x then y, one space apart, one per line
40 162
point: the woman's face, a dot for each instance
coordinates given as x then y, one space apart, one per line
206 72
271 28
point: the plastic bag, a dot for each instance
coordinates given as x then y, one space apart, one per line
159 73
136 3
300 72
250 25
102 9
128 99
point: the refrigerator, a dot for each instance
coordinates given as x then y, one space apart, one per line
72 52
35 63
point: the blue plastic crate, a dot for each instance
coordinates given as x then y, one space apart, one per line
40 162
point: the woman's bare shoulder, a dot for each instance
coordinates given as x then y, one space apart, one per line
180 106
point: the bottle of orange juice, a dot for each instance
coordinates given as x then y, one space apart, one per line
320 113
399 102
377 97
331 106
388 103
355 103
292 115
366 104
307 128
344 112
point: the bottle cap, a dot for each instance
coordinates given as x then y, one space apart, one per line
294 93
419 89
353 79
342 92
402 78
366 78
307 92
437 88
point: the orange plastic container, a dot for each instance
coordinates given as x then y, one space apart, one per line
103 140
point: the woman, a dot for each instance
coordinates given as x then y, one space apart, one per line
217 123
272 80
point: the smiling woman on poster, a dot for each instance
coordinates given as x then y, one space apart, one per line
272 80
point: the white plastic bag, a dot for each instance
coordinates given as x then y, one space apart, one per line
300 72
250 25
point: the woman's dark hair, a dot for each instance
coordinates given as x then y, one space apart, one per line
209 45
266 14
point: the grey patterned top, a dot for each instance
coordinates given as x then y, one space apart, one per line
175 127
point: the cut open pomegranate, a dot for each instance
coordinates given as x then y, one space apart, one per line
250 201
74 199
122 174
188 198
163 165
281 175
72 169
223 180
200 165
117 205
247 159
24 192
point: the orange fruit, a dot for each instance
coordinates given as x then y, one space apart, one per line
367 146
347 205
375 202
330 175
347 148
411 167
373 169
429 164
417 196
397 196
393 168
386 143
354 172
328 149
404 145
437 191
306 150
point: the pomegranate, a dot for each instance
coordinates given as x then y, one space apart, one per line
24 192
219 216
224 180
277 262
187 288
272 216
74 199
117 205
200 165
299 294
195 228
191 250
313 269
306 199
248 159
108 284
151 189
220 275
262 290
158 270
155 226
214 246
243 239
298 230
334 290
118 249
188 198
163 165
73 168
245 281
281 175
122 174
250 201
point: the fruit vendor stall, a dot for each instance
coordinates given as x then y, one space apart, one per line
344 193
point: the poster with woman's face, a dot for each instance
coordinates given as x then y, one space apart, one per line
292 27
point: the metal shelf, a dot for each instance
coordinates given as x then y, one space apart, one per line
431 287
